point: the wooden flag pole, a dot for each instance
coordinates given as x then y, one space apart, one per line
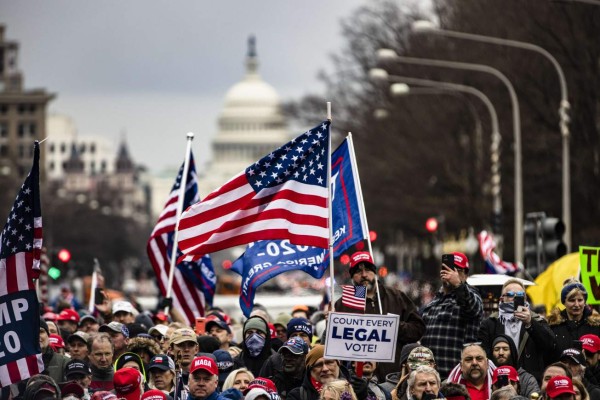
183 185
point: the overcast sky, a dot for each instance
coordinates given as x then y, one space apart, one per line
159 69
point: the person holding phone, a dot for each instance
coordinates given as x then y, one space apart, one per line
533 339
453 317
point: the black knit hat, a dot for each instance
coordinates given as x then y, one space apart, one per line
406 349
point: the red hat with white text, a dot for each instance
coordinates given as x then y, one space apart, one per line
361 257
205 363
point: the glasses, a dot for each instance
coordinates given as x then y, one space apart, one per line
512 294
329 363
471 344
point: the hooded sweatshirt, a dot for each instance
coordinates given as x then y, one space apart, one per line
254 364
527 382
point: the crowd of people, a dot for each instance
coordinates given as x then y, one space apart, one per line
446 349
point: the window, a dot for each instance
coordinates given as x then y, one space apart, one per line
25 129
92 148
51 148
51 166
21 151
82 148
3 129
63 148
3 150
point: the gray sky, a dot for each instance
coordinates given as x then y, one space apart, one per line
159 69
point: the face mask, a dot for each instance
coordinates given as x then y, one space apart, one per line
255 344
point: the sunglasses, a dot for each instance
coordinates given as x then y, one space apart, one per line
513 294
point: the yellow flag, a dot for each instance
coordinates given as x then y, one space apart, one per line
550 282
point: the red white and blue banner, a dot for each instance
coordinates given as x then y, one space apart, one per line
20 248
266 259
493 263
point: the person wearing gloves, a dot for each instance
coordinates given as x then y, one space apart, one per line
529 331
256 347
320 371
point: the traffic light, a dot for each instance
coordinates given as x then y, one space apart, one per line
543 241
431 225
554 248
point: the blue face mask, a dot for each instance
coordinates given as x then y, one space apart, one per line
254 343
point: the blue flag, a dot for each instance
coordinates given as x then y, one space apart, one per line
266 259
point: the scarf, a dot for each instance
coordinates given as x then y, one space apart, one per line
316 384
456 376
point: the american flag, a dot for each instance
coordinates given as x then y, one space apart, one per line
193 282
20 246
493 262
354 296
282 196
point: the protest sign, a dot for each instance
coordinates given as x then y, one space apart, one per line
361 337
590 276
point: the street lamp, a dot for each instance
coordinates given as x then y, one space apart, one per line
401 88
563 110
389 55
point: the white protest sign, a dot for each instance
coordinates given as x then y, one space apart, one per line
361 337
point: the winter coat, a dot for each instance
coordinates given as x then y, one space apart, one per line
566 331
537 344
54 365
254 364
410 329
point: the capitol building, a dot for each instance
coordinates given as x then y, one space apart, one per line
250 126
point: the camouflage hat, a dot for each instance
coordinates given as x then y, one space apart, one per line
420 356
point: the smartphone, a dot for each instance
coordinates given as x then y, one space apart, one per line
502 381
519 302
200 326
448 259
99 296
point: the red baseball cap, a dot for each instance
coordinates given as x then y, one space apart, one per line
127 382
262 383
460 260
272 331
68 314
590 343
206 363
154 394
559 385
56 342
505 370
361 257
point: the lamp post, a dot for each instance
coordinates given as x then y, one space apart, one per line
401 88
563 110
386 55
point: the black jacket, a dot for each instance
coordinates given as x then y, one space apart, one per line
539 343
254 364
566 331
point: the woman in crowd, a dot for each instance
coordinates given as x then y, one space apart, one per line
238 379
337 390
576 320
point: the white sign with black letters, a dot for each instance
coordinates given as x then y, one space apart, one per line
361 337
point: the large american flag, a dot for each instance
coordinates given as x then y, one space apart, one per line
354 296
20 246
282 196
193 282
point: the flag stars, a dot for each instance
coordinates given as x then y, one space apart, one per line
320 166
320 180
21 237
251 172
312 171
262 174
296 174
304 178
27 227
28 246
279 166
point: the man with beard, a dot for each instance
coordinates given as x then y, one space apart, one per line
474 371
54 363
454 315
290 373
529 331
393 301
503 349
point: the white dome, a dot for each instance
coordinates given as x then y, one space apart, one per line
252 92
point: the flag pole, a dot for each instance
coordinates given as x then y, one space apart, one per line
363 212
329 206
180 201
